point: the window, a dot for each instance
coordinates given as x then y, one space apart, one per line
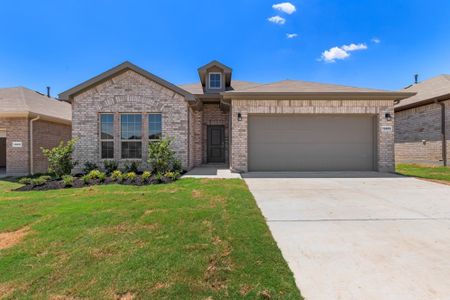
215 80
131 127
154 127
107 136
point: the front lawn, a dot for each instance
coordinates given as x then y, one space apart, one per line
426 172
191 239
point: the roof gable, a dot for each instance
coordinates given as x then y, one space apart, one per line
68 95
226 70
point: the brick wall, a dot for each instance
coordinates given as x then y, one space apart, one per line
128 92
196 139
418 137
385 140
47 135
17 159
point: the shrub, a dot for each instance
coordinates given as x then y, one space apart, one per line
116 175
68 180
110 166
162 158
86 179
96 174
38 181
46 177
25 180
101 177
131 176
132 167
146 175
159 177
172 175
60 158
88 167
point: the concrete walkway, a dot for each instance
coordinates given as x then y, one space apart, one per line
359 237
211 171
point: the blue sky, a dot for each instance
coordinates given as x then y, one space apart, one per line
62 43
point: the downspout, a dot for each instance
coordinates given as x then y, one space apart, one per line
443 132
31 143
188 167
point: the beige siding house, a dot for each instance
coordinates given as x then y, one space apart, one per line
283 126
423 123
29 121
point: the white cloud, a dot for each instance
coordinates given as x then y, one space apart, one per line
342 52
291 35
285 7
354 47
277 20
376 40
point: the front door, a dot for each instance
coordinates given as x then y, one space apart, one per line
216 144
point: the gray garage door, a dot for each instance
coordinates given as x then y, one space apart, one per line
311 143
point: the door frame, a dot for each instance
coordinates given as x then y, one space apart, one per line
208 128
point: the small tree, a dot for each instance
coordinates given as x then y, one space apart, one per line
161 157
60 158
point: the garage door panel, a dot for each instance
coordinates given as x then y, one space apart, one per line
310 143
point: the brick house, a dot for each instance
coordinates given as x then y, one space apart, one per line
423 123
29 121
282 126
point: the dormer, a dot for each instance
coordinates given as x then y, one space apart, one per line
215 77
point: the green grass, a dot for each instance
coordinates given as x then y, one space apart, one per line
192 239
427 172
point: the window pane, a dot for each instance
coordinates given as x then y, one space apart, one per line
131 126
107 126
131 149
107 150
154 127
214 80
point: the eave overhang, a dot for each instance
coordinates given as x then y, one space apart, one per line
317 95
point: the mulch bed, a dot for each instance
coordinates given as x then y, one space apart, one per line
79 183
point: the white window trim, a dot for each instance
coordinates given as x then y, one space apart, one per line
106 140
209 80
148 126
135 141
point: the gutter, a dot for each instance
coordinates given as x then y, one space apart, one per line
31 143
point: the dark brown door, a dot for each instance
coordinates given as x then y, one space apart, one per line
216 144
2 152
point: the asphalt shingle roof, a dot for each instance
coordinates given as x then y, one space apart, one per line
426 90
23 100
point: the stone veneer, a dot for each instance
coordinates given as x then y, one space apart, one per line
385 140
418 134
128 92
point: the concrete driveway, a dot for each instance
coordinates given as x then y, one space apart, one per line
359 235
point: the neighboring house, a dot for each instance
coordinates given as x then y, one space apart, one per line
422 123
29 121
282 126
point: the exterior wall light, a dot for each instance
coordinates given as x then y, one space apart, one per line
388 116
239 116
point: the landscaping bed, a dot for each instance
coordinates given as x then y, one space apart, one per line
45 182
